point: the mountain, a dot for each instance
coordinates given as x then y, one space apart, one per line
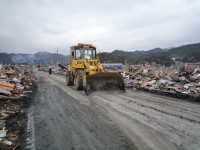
106 57
48 58
185 53
137 57
37 58
188 53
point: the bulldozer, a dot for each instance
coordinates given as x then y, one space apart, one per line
87 73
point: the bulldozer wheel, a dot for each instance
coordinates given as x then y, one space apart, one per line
69 79
79 80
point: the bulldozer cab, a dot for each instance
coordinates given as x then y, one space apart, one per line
83 51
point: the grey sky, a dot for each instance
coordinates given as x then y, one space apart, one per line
29 26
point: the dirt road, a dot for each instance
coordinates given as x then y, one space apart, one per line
63 118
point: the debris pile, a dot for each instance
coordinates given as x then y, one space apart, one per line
13 80
60 69
10 124
185 80
16 86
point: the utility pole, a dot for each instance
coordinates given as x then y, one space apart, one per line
57 58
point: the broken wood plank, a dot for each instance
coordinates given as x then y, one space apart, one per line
6 86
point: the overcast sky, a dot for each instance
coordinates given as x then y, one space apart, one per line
29 26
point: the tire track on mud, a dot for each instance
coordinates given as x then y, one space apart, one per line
150 121
62 122
132 100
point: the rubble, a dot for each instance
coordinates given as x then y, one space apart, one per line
6 86
5 92
59 70
184 80
14 80
16 85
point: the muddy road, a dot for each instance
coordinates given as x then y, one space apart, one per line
63 118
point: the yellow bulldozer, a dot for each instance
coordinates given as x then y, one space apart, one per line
87 73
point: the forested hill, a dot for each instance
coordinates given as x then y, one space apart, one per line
185 53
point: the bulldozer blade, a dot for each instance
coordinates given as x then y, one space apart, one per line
105 81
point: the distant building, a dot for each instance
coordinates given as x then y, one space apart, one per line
112 65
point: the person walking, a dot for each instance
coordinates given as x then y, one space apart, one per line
50 71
